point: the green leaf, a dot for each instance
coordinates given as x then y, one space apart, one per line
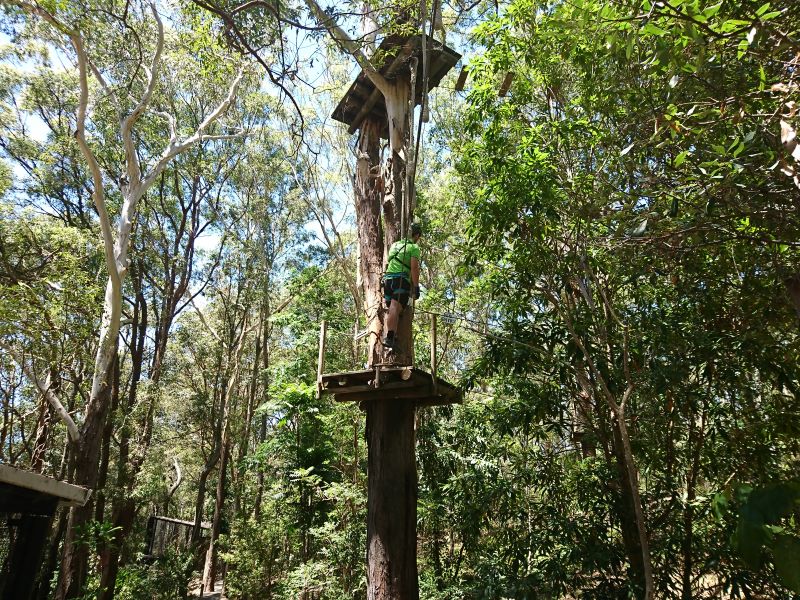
680 158
742 48
719 504
712 10
762 9
653 29
786 556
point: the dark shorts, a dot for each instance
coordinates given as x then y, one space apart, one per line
396 288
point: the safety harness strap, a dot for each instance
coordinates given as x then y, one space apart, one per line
396 255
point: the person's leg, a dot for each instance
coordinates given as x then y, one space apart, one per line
393 317
398 289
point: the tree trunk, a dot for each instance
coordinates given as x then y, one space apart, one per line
123 509
100 501
695 446
75 557
209 572
392 505
368 188
210 569
43 421
397 201
632 521
262 427
392 471
121 519
244 444
201 493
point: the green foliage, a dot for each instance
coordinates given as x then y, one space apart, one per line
166 578
617 234
617 218
761 512
6 178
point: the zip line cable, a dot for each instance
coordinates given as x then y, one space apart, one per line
466 324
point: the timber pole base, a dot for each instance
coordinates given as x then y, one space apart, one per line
392 502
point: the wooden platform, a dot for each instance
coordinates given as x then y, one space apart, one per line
389 383
363 99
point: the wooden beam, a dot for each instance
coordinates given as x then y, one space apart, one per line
414 393
462 79
436 400
342 393
506 84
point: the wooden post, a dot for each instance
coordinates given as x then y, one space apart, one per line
433 353
506 84
392 501
323 331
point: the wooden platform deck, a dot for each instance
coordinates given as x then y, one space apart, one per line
363 99
389 383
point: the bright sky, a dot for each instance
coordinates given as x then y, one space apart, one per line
314 87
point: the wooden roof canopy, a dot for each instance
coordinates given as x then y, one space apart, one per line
32 493
363 98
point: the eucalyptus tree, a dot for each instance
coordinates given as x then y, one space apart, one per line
167 274
110 90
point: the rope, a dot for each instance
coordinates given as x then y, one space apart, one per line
411 159
424 99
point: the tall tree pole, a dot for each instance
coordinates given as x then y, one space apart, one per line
383 208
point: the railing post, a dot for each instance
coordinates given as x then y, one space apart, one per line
323 331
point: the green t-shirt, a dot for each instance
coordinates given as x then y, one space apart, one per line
400 255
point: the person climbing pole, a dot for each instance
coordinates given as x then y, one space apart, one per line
401 280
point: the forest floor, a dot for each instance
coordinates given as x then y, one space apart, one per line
218 594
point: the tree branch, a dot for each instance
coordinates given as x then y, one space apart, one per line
348 45
126 127
175 148
199 312
45 387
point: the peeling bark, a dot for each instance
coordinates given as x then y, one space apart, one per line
368 189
